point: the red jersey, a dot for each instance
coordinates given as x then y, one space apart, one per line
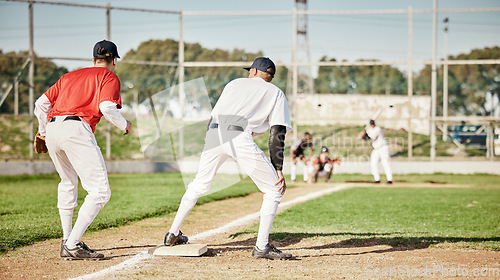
80 92
321 163
318 161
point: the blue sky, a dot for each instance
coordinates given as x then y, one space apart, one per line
71 32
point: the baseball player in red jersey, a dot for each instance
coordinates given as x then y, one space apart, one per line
322 166
67 115
246 107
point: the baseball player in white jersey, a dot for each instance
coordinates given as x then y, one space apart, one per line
380 152
246 107
67 115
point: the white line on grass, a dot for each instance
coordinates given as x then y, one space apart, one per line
236 223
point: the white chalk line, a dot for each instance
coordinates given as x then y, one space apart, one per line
236 223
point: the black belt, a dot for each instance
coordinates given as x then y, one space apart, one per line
230 127
73 118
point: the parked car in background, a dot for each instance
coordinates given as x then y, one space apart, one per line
469 135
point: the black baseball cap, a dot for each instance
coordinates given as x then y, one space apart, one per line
324 149
110 47
262 63
372 122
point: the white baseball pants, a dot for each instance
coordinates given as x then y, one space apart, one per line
74 151
220 144
381 155
305 171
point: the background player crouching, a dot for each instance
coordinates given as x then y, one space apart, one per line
297 151
322 166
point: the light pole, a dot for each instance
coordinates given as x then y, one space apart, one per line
445 81
433 82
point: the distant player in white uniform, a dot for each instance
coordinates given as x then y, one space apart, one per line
380 152
246 107
297 151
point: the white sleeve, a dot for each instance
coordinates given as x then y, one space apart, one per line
373 133
42 109
280 114
110 112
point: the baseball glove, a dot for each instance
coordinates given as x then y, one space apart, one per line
39 144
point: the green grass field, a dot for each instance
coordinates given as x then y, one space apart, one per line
467 215
28 211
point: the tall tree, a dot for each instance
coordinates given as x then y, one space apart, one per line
468 85
146 80
360 79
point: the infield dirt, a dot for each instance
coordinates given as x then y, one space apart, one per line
319 257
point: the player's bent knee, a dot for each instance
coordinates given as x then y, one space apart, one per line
194 191
99 199
273 196
101 205
102 201
190 196
328 167
66 206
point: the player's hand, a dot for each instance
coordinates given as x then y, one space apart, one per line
281 180
128 128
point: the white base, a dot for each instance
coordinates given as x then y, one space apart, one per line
183 250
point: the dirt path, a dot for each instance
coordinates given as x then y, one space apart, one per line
322 257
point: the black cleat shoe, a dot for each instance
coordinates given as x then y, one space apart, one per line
376 182
63 242
389 182
172 240
270 253
81 252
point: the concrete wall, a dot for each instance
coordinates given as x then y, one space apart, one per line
351 109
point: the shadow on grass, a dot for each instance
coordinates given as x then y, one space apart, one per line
360 240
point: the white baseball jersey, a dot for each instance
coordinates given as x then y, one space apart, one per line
377 137
259 103
380 153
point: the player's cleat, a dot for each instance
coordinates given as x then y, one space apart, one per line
376 182
389 182
172 240
80 252
270 252
62 247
